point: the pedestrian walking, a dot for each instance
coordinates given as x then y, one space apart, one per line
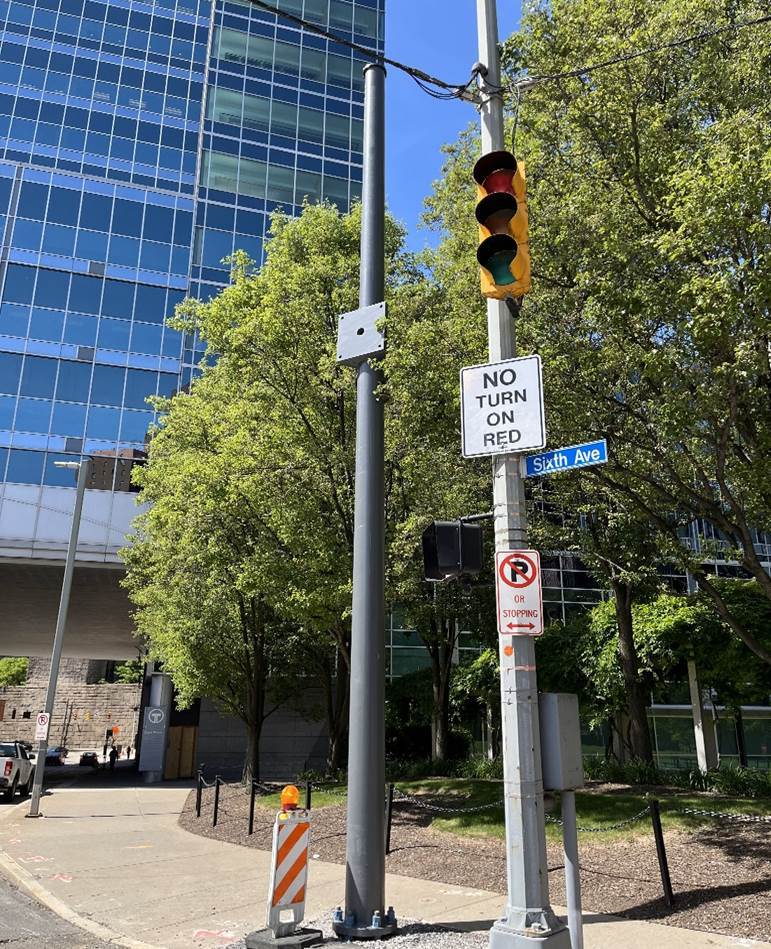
113 757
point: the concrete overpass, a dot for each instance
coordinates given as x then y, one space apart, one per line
34 528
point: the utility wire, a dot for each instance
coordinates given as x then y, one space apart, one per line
637 54
435 87
439 89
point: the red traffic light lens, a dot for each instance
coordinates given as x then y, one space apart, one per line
496 254
496 211
495 171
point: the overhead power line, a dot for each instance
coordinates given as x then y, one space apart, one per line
648 51
439 89
432 85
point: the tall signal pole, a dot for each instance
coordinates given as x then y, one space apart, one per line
529 920
360 343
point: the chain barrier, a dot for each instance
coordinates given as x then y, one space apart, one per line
607 827
721 815
336 792
400 797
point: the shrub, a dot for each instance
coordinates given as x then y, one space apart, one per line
484 769
13 671
729 780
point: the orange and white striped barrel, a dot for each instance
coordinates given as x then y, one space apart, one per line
289 871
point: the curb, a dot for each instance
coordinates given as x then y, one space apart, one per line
27 882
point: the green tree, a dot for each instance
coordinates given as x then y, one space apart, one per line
250 480
621 549
650 191
429 342
476 689
668 630
13 670
130 671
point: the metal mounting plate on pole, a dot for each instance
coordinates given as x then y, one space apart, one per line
361 335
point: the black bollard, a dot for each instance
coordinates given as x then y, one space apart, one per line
658 833
389 815
217 781
251 807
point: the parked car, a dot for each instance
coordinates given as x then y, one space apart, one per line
89 759
17 772
56 755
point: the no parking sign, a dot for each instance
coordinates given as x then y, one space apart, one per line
518 592
41 726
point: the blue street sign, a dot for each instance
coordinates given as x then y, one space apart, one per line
565 459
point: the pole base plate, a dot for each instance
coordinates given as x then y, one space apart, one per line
365 932
506 937
299 939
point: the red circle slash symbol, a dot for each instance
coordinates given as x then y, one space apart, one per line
518 571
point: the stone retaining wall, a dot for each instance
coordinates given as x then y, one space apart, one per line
81 716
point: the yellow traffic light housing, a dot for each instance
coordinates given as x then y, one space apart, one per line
503 252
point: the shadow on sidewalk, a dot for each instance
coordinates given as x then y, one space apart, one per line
699 896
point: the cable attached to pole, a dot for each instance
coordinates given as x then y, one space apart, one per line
423 79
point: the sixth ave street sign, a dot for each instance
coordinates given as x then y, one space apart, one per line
502 407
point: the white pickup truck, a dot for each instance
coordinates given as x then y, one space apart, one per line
17 771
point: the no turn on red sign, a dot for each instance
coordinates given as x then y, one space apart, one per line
518 592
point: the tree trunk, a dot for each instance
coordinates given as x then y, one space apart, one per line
741 745
440 725
337 712
441 664
251 770
637 698
255 694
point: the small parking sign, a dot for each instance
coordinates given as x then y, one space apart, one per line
41 726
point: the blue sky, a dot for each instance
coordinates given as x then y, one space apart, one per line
439 36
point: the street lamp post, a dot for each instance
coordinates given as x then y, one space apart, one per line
83 468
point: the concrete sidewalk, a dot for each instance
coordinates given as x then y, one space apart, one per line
115 861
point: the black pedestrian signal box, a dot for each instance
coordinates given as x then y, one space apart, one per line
452 549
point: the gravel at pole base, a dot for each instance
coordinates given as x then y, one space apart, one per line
410 934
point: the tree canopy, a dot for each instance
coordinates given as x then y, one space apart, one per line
649 189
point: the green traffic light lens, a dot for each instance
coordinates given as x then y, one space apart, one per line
496 254
499 266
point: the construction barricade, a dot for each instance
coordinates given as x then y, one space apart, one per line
288 879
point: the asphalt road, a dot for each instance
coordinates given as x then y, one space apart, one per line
25 924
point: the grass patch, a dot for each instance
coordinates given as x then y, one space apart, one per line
595 809
335 794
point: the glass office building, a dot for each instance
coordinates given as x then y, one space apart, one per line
140 143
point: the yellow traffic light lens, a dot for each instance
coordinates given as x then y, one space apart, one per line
290 797
496 211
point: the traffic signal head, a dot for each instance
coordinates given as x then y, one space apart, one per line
452 549
501 211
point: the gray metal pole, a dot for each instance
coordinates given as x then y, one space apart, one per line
61 620
529 919
365 842
572 870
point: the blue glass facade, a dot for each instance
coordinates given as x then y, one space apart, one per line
140 143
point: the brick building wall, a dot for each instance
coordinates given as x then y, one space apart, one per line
85 707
